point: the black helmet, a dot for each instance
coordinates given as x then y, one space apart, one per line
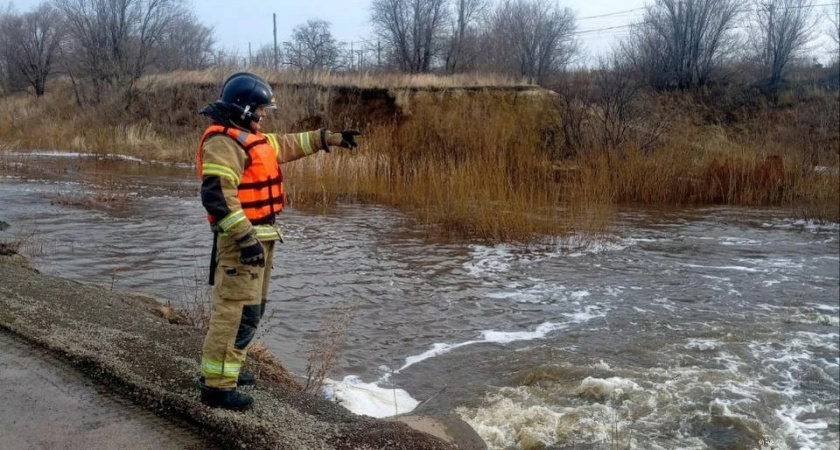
244 92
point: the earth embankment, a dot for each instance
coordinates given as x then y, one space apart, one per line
120 341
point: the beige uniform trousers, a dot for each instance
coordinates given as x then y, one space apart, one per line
239 297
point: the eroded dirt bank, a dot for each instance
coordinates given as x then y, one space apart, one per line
119 340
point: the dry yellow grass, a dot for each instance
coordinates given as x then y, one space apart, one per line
331 79
468 162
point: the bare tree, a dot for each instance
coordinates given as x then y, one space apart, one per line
781 31
531 38
186 45
313 46
30 44
115 39
461 53
680 42
412 30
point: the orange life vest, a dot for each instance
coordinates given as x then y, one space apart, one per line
261 191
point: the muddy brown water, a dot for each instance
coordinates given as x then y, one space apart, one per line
710 328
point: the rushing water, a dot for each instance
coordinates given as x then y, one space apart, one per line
692 329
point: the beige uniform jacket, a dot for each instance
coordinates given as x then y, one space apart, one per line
225 161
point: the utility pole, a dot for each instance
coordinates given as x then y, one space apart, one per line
250 60
352 55
771 44
378 54
275 40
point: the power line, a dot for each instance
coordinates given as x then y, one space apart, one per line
598 30
630 25
619 27
617 13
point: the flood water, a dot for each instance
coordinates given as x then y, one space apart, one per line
711 328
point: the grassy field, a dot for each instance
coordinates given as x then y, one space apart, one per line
481 157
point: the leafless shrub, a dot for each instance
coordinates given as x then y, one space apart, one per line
324 348
625 112
607 109
24 241
197 305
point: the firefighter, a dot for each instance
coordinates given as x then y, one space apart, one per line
242 191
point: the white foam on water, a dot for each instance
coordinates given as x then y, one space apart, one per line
632 405
492 260
118 156
539 293
489 336
739 241
370 399
737 268
489 260
614 388
813 226
774 263
579 295
702 344
52 154
512 415
507 420
599 246
712 277
805 431
814 317
614 291
589 313
506 337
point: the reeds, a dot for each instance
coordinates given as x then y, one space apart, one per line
486 162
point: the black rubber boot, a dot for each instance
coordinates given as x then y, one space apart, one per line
225 398
245 379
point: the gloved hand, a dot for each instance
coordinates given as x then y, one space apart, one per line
345 138
252 253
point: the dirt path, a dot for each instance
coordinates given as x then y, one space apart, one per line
47 404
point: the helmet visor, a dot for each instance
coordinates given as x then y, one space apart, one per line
272 104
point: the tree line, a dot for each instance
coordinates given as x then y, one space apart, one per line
105 46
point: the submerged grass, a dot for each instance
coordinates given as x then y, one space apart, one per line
475 157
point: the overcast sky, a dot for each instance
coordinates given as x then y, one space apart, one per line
350 19
238 22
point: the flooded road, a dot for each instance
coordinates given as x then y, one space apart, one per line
712 328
